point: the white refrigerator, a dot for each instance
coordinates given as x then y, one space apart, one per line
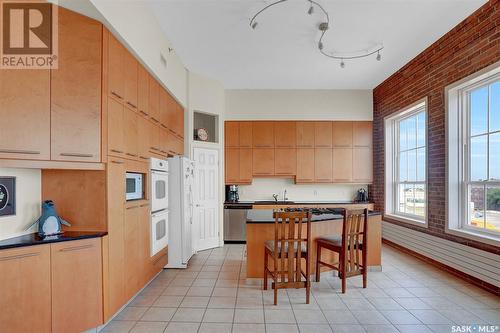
181 184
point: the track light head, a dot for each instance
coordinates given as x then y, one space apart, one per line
311 10
254 25
342 64
320 45
379 57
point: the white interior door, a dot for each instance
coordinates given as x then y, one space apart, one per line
206 198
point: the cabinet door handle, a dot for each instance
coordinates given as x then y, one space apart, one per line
129 154
132 105
18 151
144 113
143 157
76 248
117 162
144 205
153 148
155 120
132 207
164 126
76 155
163 151
114 93
19 256
171 131
171 152
117 151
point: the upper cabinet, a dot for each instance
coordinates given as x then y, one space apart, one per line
25 107
305 134
154 100
143 91
116 65
285 134
362 133
322 134
245 134
131 80
231 134
342 134
75 92
263 134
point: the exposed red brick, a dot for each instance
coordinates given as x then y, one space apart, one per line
470 46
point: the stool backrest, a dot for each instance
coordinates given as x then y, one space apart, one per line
354 240
289 239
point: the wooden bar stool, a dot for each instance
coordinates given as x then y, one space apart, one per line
351 247
287 250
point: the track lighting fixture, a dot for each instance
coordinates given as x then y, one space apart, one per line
323 28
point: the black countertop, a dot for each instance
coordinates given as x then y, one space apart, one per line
266 216
249 204
35 239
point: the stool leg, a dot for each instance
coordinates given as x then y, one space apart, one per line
265 269
318 259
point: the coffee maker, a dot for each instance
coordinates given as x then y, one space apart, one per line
232 193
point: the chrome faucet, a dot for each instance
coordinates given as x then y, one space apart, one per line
275 196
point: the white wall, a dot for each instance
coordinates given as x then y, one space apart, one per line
299 104
264 188
28 201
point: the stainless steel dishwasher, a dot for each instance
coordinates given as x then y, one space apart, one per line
235 219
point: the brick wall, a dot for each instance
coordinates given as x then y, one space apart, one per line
470 46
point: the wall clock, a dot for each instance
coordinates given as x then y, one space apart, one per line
202 134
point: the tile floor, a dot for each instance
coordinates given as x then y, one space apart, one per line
212 295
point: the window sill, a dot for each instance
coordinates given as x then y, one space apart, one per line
477 236
405 219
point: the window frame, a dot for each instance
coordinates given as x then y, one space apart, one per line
392 154
457 99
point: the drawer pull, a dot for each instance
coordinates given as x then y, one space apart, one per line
17 151
164 126
143 157
76 248
114 93
117 151
132 207
155 120
132 105
19 256
76 155
129 154
153 148
117 162
144 205
144 113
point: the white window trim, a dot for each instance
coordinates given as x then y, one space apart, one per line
390 172
455 161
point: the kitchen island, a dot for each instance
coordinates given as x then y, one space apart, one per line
260 227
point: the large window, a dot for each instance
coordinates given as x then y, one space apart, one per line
473 138
406 161
482 176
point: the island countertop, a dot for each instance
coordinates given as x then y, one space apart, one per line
266 216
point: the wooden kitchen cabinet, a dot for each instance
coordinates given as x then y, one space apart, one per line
362 168
245 134
116 201
232 134
263 134
154 138
342 133
245 166
143 126
285 161
342 164
25 113
116 63
305 134
285 133
131 80
322 134
154 99
75 92
131 137
133 251
116 123
179 120
263 161
143 91
166 118
362 133
76 268
145 243
323 165
305 165
25 299
232 165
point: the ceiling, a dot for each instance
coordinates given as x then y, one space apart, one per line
213 38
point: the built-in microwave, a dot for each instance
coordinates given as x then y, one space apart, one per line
134 186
